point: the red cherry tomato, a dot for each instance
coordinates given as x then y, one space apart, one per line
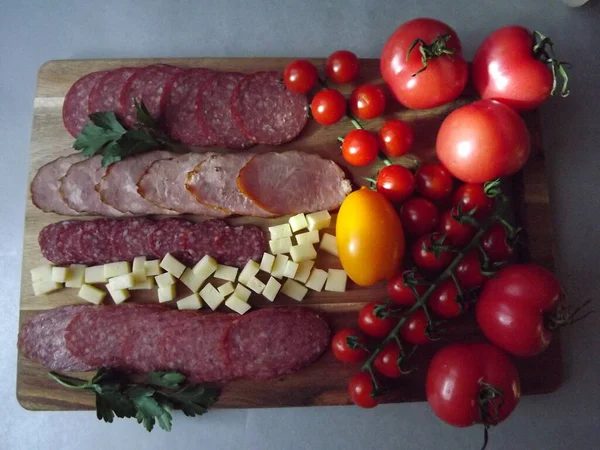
496 245
361 389
419 216
300 76
468 271
458 234
328 106
414 330
373 325
444 300
348 346
367 101
433 181
397 183
396 138
400 291
360 148
386 362
471 196
426 259
342 66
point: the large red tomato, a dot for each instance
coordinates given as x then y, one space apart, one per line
513 307
446 73
483 141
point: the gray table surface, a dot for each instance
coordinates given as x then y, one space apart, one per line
32 32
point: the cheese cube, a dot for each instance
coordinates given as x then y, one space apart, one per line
164 280
60 274
329 244
146 284
280 231
42 273
250 270
310 237
336 280
191 302
91 294
256 285
139 268
41 287
298 222
282 245
122 281
118 295
226 289
115 269
172 265
95 274
279 265
237 305
227 273
266 264
205 267
303 252
271 289
242 292
290 269
294 290
316 280
303 271
152 268
191 280
318 220
211 296
166 294
75 276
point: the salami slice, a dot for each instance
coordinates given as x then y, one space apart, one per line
266 111
76 106
168 237
202 239
46 183
131 239
106 95
94 243
60 242
214 112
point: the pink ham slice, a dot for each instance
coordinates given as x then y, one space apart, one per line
76 106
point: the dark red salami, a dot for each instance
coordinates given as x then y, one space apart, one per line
266 111
132 239
94 242
76 106
106 95
235 246
61 242
168 236
200 240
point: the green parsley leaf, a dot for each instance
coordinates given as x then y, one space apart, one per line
170 380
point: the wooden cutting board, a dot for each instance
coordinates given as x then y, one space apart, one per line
323 383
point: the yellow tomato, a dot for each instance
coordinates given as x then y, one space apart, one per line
369 236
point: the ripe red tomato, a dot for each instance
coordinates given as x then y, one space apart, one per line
373 325
471 196
396 138
468 271
425 258
342 66
300 76
433 181
419 216
461 376
444 300
367 101
458 234
361 390
360 148
397 183
513 306
348 346
328 106
495 243
386 362
414 330
446 74
400 291
483 141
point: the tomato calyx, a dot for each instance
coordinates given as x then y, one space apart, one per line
430 51
437 245
464 218
559 68
490 401
567 315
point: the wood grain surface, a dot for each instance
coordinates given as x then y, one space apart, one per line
323 383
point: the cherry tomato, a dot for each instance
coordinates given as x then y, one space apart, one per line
443 79
414 330
373 325
460 376
396 138
419 216
482 141
400 291
300 76
458 234
360 148
444 300
328 106
496 245
367 101
468 271
426 259
342 66
386 362
471 196
361 391
433 181
397 183
348 346
513 307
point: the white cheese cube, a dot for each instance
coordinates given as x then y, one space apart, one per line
256 285
146 284
280 231
282 245
60 274
266 263
242 292
303 271
76 275
166 294
279 265
303 252
118 295
294 290
122 281
298 222
227 273
172 265
238 305
42 287
226 289
95 274
290 269
139 268
164 280
116 269
211 296
318 220
152 268
336 280
329 244
205 267
91 294
250 270
191 280
310 237
42 273
191 302
271 289
316 280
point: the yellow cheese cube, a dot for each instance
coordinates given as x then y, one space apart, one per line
310 237
298 222
91 294
60 274
152 268
116 269
329 244
250 270
164 280
191 280
118 295
336 280
172 265
139 268
226 289
76 275
266 263
279 265
205 267
95 274
316 280
318 220
227 273
255 285
122 282
282 245
42 287
242 292
303 271
303 252
290 269
294 290
236 304
146 284
191 302
271 289
42 273
211 296
167 293
280 231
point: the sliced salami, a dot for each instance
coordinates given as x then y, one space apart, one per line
60 242
106 95
76 105
168 237
131 239
266 111
94 242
